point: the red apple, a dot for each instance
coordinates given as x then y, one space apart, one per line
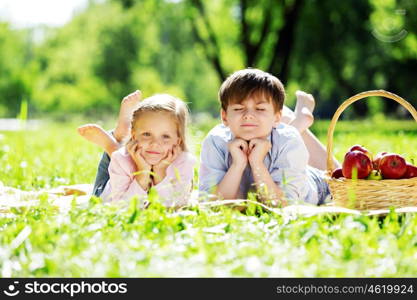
337 173
392 166
356 160
378 159
361 149
411 171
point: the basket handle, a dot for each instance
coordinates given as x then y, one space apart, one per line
344 105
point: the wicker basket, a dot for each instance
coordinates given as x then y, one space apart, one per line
365 194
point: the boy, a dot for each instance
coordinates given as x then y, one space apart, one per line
249 151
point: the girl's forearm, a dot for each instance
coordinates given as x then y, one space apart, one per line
143 180
158 175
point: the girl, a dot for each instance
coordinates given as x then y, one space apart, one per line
155 154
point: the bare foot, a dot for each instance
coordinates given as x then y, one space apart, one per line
303 111
97 135
304 100
127 107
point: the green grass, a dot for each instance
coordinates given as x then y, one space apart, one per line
121 240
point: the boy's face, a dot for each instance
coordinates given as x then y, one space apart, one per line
253 118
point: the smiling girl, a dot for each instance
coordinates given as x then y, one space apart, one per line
154 156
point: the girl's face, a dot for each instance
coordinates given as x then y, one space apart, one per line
156 133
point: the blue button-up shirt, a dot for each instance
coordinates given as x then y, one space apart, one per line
287 162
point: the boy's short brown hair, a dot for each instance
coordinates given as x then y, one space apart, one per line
250 82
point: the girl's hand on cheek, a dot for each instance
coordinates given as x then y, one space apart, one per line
169 158
135 150
160 168
143 174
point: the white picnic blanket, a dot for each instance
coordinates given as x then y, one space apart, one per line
63 196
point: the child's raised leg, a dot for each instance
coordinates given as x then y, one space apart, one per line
302 119
97 135
317 151
127 107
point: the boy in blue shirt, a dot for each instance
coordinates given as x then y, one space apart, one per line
249 151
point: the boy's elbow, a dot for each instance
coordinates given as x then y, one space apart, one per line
276 199
223 193
275 202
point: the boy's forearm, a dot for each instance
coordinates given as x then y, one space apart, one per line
267 188
228 188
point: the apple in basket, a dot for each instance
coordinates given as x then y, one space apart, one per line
377 159
337 173
392 166
359 161
361 149
411 171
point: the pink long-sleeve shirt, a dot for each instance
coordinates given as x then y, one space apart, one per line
174 189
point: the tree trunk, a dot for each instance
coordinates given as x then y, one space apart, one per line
210 45
285 42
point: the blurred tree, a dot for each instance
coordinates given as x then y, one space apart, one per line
265 32
115 47
347 52
67 58
330 50
167 58
331 54
15 69
187 47
395 30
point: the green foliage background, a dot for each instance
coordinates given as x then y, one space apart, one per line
186 48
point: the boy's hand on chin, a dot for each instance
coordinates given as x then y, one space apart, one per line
258 148
238 148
